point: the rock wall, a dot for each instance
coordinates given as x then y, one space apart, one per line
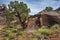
44 21
32 23
2 15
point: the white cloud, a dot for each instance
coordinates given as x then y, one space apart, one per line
39 5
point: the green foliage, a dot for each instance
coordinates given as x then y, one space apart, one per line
32 38
21 33
44 31
48 8
11 31
55 26
9 34
6 38
18 27
19 8
9 15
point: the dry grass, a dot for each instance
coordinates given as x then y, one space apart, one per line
2 26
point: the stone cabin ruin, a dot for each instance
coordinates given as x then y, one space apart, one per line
43 19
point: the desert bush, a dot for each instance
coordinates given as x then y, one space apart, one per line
44 31
32 38
9 34
55 26
11 31
21 33
6 38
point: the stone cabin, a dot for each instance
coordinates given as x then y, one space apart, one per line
43 19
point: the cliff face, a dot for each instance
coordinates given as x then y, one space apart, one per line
2 15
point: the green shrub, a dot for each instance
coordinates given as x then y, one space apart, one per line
21 33
9 33
32 38
18 27
6 38
55 26
12 25
44 31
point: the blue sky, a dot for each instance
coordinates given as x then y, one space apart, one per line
36 5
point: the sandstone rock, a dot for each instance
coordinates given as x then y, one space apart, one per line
2 15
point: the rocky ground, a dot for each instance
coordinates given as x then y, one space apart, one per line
15 33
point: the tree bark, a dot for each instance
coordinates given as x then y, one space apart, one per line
19 17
